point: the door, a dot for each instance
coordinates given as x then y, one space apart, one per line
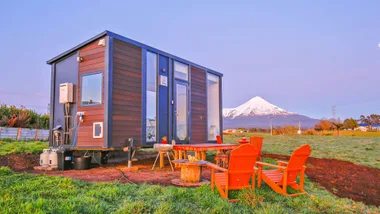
181 112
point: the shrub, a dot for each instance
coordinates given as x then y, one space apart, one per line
310 132
285 130
22 118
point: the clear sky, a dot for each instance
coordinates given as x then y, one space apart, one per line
303 56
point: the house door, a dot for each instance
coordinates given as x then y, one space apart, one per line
181 112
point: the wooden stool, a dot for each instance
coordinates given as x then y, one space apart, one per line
161 155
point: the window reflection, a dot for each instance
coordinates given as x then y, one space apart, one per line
181 71
151 97
91 89
213 110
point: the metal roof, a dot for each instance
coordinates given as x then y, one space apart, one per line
125 39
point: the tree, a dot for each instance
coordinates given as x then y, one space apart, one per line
323 125
350 123
338 126
370 120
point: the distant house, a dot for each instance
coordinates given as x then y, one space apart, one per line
229 131
365 127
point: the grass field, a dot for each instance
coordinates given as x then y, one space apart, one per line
14 147
360 150
25 193
354 133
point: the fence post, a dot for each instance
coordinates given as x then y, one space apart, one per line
36 135
18 133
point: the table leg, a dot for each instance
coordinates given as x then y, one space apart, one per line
162 160
180 154
203 155
176 158
198 155
185 154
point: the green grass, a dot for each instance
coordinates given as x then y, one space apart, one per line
25 193
360 150
14 147
354 133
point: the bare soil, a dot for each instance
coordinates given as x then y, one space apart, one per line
342 178
20 161
112 171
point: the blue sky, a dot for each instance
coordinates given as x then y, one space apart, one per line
303 56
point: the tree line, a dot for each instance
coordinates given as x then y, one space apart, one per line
349 123
11 116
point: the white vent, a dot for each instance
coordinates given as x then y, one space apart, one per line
97 130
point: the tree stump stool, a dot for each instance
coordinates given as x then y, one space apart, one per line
190 173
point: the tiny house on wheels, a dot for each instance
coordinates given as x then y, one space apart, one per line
110 90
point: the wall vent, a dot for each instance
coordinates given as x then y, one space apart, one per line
97 130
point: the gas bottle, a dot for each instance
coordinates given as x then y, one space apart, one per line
53 158
44 158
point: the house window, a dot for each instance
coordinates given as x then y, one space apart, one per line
151 97
91 90
181 71
213 110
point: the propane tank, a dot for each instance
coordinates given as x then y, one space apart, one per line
53 158
44 158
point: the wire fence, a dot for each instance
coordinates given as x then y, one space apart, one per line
23 134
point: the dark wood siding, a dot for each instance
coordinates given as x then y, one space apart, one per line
126 94
93 61
198 106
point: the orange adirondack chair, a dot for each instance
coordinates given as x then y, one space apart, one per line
286 172
239 172
258 142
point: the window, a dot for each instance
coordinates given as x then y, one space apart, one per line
91 89
181 71
151 97
213 110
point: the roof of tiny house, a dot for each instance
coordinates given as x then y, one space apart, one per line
130 41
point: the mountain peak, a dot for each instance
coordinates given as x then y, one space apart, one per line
254 107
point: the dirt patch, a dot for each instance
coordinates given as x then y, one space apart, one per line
343 178
20 161
111 172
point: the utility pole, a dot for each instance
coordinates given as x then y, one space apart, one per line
334 112
271 128
299 128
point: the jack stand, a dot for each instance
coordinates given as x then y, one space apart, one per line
130 152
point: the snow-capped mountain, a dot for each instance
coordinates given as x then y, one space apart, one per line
256 106
257 113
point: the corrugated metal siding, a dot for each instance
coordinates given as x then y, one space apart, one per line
25 134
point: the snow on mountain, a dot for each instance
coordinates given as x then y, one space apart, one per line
259 113
256 106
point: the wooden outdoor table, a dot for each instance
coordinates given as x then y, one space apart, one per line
200 149
190 173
